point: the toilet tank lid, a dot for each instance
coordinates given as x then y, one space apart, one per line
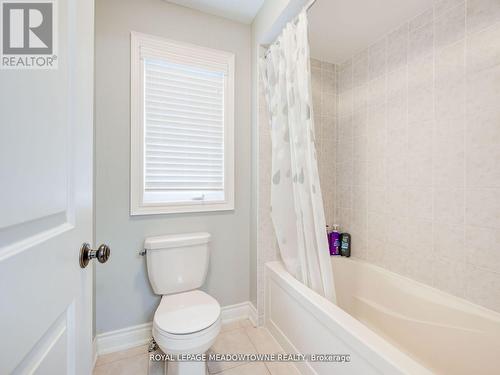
176 240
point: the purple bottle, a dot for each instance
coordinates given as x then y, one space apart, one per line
334 240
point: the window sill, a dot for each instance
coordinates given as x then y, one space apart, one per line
162 209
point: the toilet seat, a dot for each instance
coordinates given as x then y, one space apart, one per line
186 313
186 323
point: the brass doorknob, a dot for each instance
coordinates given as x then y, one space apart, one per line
87 254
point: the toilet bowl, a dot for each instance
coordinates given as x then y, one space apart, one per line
187 321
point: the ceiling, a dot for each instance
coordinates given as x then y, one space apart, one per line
340 28
237 10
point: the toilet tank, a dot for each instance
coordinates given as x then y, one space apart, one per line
177 263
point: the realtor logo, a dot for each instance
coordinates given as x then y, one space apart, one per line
28 34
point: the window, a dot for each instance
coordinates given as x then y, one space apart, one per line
182 127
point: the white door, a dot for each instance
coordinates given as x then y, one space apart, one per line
46 131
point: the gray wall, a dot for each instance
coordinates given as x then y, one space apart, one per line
123 294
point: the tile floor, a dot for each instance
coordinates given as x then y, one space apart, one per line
236 337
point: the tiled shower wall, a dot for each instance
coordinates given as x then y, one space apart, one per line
323 79
418 150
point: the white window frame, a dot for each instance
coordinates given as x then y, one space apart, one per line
142 44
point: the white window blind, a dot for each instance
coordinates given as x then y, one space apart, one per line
186 127
184 132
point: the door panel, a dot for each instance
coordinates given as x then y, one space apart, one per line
46 135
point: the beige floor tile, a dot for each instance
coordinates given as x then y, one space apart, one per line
254 368
282 368
263 341
232 342
113 357
137 365
236 337
237 324
157 367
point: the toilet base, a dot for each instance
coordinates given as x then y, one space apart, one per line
186 368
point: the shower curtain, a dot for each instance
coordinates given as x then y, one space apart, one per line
296 203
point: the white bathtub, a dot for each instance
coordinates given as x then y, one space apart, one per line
388 324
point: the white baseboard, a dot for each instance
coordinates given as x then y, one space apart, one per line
122 339
130 337
253 315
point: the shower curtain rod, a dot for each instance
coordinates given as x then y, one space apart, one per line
307 7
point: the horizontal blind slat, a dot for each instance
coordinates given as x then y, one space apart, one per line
184 135
172 125
182 95
177 144
158 70
184 119
170 103
183 113
183 164
184 80
182 87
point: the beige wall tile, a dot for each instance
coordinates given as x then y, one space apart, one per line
423 19
421 90
360 69
421 41
360 97
345 104
359 148
377 90
344 76
396 201
449 241
449 206
377 59
397 230
483 247
395 258
482 49
420 265
420 202
450 27
359 173
483 287
420 236
483 130
443 6
397 48
449 275
376 226
449 156
450 82
397 83
482 13
482 207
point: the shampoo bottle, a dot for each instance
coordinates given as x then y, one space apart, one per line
334 240
345 244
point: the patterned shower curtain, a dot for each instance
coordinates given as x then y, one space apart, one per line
296 203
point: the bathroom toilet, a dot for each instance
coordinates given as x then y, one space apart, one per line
187 321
